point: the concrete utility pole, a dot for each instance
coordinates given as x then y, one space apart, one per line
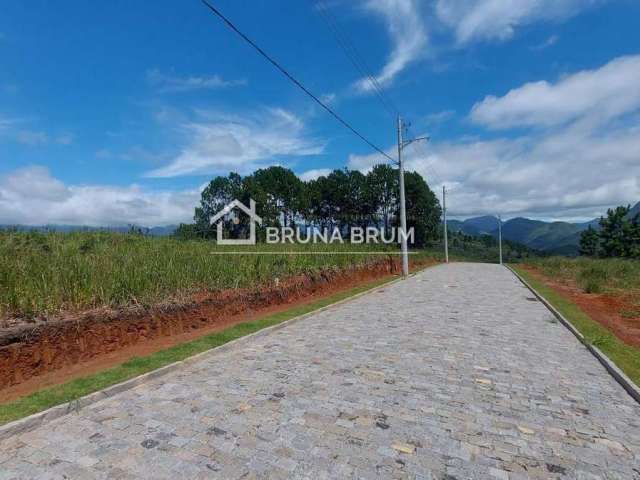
444 211
500 237
403 210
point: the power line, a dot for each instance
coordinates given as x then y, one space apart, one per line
292 78
352 53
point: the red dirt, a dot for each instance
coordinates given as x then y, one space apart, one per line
51 353
607 309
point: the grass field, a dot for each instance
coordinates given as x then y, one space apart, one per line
47 273
612 275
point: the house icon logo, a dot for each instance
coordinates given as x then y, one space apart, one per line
253 219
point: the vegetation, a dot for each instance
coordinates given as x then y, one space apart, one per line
613 275
342 199
80 387
484 248
626 357
618 235
45 273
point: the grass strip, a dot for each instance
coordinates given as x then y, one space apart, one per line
75 389
626 357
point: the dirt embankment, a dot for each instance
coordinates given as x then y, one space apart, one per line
616 312
32 357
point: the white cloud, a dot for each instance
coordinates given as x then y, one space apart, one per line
31 196
440 117
409 36
30 137
476 20
600 95
549 42
314 174
172 83
588 162
219 143
566 175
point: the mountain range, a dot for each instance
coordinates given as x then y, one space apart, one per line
562 238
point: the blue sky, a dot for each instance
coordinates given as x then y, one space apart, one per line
116 112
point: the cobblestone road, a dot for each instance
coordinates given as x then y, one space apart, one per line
455 373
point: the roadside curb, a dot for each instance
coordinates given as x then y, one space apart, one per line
31 422
625 382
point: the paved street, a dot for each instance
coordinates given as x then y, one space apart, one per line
455 373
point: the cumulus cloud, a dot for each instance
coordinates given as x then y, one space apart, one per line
219 143
477 20
32 196
408 33
567 175
314 174
600 94
587 162
173 83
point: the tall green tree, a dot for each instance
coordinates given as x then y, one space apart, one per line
283 191
589 242
423 209
219 192
383 190
612 232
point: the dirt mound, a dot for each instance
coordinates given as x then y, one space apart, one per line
28 351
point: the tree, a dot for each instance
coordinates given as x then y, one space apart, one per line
612 232
423 209
383 190
344 198
219 192
283 191
589 240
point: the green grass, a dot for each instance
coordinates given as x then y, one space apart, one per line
593 275
80 387
626 357
42 274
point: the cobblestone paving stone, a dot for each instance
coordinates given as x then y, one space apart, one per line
455 373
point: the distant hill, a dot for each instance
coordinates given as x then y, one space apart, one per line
154 231
634 212
561 238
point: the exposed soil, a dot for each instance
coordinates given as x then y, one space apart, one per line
616 312
49 353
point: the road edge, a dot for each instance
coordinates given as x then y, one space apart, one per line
33 421
619 376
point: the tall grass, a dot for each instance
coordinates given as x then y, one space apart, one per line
45 273
611 275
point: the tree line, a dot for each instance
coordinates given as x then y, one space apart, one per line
342 199
618 235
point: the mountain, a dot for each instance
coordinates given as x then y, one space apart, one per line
474 226
546 236
561 238
634 212
481 225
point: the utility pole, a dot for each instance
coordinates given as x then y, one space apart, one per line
500 237
403 210
444 211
